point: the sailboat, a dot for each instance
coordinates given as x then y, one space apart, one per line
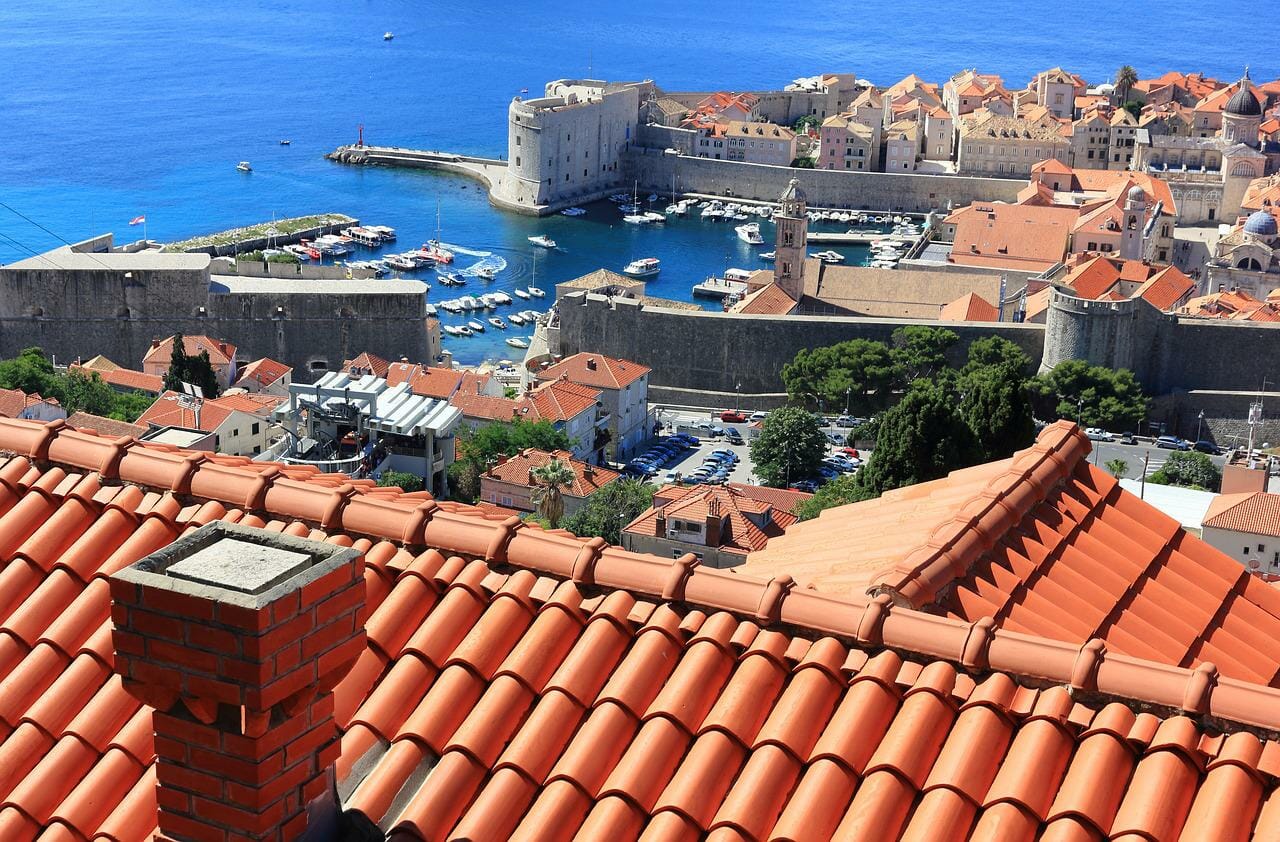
434 250
635 215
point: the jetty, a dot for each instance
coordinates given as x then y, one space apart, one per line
485 170
264 234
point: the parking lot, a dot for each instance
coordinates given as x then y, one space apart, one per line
687 462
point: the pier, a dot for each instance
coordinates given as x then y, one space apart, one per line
485 170
265 234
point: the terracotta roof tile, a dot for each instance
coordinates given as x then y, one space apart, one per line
969 308
770 299
13 402
541 687
588 479
595 370
367 363
1255 512
125 378
220 352
104 426
264 372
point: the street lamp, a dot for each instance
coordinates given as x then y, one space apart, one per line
1199 424
846 399
1079 410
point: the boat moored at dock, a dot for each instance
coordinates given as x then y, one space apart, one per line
645 267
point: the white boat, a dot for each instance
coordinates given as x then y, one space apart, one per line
884 264
243 166
385 233
645 267
486 272
516 319
501 297
521 293
463 330
388 36
529 315
830 256
431 309
468 302
403 262
674 208
750 233
572 212
543 240
498 323
654 216
517 343
285 142
637 219
537 292
450 329
478 327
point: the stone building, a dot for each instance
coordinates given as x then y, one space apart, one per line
1007 146
92 298
1248 258
568 143
624 397
969 90
510 482
902 141
759 143
845 144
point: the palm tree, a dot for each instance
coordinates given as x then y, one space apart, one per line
1126 78
549 479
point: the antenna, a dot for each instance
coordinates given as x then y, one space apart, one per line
192 398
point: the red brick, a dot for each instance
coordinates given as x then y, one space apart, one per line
310 743
152 625
294 827
211 688
232 816
245 619
182 657
175 750
316 787
124 592
178 604
283 687
263 646
249 748
181 777
328 755
128 643
119 615
328 636
179 826
213 640
341 602
322 706
169 798
150 673
288 657
248 673
259 797
327 584
344 654
251 773
192 733
285 608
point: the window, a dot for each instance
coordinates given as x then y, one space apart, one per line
235 434
517 140
517 160
506 501
256 427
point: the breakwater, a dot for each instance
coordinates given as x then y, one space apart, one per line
264 235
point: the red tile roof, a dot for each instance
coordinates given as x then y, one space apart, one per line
104 426
1166 289
1023 236
1257 512
559 400
14 401
263 372
522 684
782 499
366 363
220 352
596 370
125 378
587 479
694 502
770 299
969 307
166 411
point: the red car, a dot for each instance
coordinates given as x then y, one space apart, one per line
851 452
733 416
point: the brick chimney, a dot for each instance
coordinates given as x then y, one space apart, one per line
713 520
591 363
236 637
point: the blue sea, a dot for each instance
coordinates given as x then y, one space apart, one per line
111 110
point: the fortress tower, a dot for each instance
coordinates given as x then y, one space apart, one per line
792 225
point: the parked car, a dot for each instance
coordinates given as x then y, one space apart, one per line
732 436
1172 443
725 453
757 416
804 485
846 421
733 416
828 473
851 452
1127 438
1207 447
837 438
1099 434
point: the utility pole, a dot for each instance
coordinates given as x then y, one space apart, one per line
1146 461
1199 424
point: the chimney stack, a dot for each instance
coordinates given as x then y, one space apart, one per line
713 520
236 637
591 363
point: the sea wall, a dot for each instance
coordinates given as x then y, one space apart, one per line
914 192
730 353
1225 416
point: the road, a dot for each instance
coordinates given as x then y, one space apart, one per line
1133 455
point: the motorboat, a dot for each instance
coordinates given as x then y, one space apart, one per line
478 327
884 264
572 212
469 302
645 267
388 36
620 198
537 292
750 233
497 322
830 256
243 166
521 294
285 142
431 309
449 329
654 216
767 255
434 251
299 251
516 319
488 273
530 316
402 262
543 240
452 279
385 233
637 219
674 208
500 297
516 342
463 330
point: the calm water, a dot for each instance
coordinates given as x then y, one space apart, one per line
110 110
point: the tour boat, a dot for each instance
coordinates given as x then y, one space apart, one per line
498 323
476 326
402 262
543 240
750 233
243 166
572 212
767 255
830 256
515 342
521 293
516 319
388 36
285 142
536 292
488 273
384 232
645 267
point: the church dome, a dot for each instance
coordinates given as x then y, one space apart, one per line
793 192
1243 103
1261 223
1136 194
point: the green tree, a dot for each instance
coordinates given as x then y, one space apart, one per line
464 481
187 368
507 438
548 481
994 406
921 438
401 480
79 391
1189 469
802 125
1093 395
130 405
30 371
608 510
840 491
790 446
996 350
1126 78
1117 467
857 374
920 352
803 162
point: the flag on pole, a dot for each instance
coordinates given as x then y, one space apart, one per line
137 220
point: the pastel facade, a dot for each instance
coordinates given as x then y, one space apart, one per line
1007 146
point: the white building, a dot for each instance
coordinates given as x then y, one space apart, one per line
1246 527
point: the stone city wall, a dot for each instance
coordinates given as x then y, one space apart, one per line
912 192
1225 416
708 353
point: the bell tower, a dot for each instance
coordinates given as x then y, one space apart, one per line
792 226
